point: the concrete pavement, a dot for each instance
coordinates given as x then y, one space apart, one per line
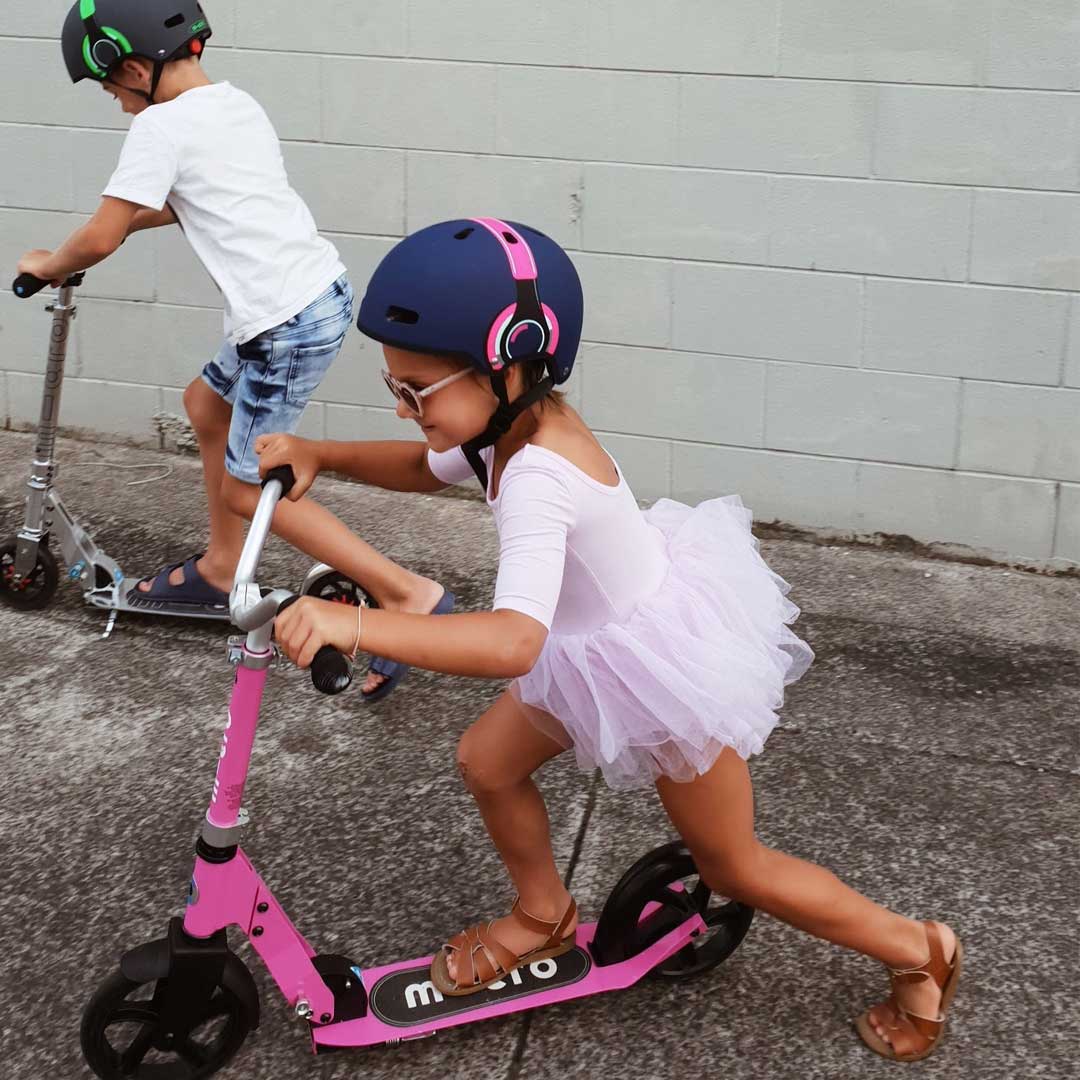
930 758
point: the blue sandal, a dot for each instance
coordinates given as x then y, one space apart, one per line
193 592
391 669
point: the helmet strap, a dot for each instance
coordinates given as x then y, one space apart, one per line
502 420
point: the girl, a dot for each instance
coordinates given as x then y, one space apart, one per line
655 644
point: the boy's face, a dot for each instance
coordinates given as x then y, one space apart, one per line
129 77
453 414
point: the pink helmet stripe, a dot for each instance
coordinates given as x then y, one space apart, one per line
519 255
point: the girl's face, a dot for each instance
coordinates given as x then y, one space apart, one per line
453 414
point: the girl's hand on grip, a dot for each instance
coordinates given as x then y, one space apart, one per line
303 628
301 454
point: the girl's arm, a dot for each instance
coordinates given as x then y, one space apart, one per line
488 644
393 465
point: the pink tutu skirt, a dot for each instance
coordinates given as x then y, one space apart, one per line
699 665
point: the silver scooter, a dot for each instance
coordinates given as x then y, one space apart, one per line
29 572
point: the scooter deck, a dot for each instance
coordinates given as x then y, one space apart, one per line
403 1003
116 599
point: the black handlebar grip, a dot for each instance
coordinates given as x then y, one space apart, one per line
287 477
330 670
26 285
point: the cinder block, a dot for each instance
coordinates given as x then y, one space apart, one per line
645 463
119 411
627 301
543 194
313 421
1027 238
862 414
373 28
1010 335
889 41
1067 537
355 376
181 277
863 226
674 395
770 314
776 125
676 213
22 67
352 423
350 189
37 170
712 36
408 103
94 157
128 274
286 85
1035 44
1072 356
42 19
1021 431
586 115
1003 139
148 343
810 492
992 515
25 333
499 31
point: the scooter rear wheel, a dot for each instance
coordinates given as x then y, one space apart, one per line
120 1040
336 587
653 897
36 590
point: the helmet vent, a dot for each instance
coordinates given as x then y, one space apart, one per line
174 20
402 315
464 234
510 238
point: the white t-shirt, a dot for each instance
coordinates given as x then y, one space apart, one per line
214 157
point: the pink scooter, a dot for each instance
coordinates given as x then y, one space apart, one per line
181 1006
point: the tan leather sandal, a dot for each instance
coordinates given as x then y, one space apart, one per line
925 1033
482 959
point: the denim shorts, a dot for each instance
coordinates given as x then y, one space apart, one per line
269 379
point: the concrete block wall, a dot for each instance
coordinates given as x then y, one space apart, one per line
831 249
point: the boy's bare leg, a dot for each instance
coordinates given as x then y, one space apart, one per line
317 532
210 416
305 524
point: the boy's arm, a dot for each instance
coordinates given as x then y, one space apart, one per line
87 245
145 218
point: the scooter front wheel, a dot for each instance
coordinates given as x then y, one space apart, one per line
36 590
122 1040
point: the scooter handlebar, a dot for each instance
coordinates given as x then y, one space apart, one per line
26 285
330 670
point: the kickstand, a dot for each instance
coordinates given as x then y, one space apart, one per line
109 624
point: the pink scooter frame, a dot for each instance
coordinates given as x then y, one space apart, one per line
188 996
232 893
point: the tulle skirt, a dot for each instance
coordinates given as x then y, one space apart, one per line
698 666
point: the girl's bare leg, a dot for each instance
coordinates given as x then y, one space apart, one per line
715 817
497 757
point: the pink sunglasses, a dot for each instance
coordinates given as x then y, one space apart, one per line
413 398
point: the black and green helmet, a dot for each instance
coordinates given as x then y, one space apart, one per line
98 34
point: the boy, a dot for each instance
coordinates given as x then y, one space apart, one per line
205 156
